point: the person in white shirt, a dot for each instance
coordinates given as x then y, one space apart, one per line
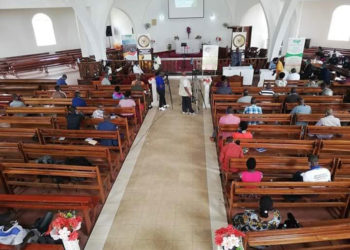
136 69
328 120
105 80
185 92
293 75
98 113
316 172
281 82
246 98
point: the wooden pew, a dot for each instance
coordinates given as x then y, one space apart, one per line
97 155
10 152
27 122
341 171
69 93
327 231
256 90
18 134
299 83
323 195
41 176
85 204
47 101
313 118
335 147
51 136
281 147
267 131
41 83
37 110
90 123
322 107
78 88
342 133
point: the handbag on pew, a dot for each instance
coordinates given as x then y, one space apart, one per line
291 222
12 234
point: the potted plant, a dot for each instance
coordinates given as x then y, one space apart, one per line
65 226
169 46
229 238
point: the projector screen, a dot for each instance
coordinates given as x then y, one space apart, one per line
186 8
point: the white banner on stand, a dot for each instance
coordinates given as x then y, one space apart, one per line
294 54
210 57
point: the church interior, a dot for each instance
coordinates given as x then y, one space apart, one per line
174 124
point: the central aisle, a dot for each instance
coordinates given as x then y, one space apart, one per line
165 204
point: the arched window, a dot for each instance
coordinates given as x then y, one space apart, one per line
339 29
43 30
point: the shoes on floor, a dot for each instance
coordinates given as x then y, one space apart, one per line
193 113
184 113
166 106
162 109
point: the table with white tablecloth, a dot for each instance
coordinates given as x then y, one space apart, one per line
266 74
246 71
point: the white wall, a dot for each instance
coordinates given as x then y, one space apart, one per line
163 33
255 17
315 22
121 25
17 35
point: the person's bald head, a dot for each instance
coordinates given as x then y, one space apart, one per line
106 116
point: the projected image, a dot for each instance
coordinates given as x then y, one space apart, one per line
186 3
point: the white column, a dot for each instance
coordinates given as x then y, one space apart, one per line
155 102
85 46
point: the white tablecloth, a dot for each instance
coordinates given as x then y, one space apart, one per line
266 74
193 46
246 71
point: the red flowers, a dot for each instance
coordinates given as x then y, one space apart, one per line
67 224
226 231
73 236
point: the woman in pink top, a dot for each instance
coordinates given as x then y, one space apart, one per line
242 132
251 175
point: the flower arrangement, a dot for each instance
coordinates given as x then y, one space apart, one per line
147 26
65 227
218 39
176 37
188 30
198 37
229 238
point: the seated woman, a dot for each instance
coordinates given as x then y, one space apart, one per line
242 132
266 218
117 95
251 175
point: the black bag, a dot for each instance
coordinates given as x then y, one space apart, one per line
77 161
291 222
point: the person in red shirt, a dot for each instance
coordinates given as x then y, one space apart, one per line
230 150
251 175
242 132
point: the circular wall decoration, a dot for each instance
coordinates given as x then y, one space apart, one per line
238 41
144 41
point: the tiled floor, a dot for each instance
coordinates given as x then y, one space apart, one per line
165 205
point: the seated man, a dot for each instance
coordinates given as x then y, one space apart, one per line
107 125
229 150
333 60
316 172
98 113
293 76
229 118
253 109
77 101
326 91
17 103
219 84
105 80
137 84
246 98
137 69
281 82
251 175
301 109
273 64
58 93
328 120
307 70
267 90
225 89
62 80
74 119
293 96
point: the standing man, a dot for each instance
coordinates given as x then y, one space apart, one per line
185 91
161 91
62 80
236 58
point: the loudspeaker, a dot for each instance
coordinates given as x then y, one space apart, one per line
109 30
307 43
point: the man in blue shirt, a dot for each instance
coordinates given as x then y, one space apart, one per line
301 109
107 125
77 101
62 80
161 91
